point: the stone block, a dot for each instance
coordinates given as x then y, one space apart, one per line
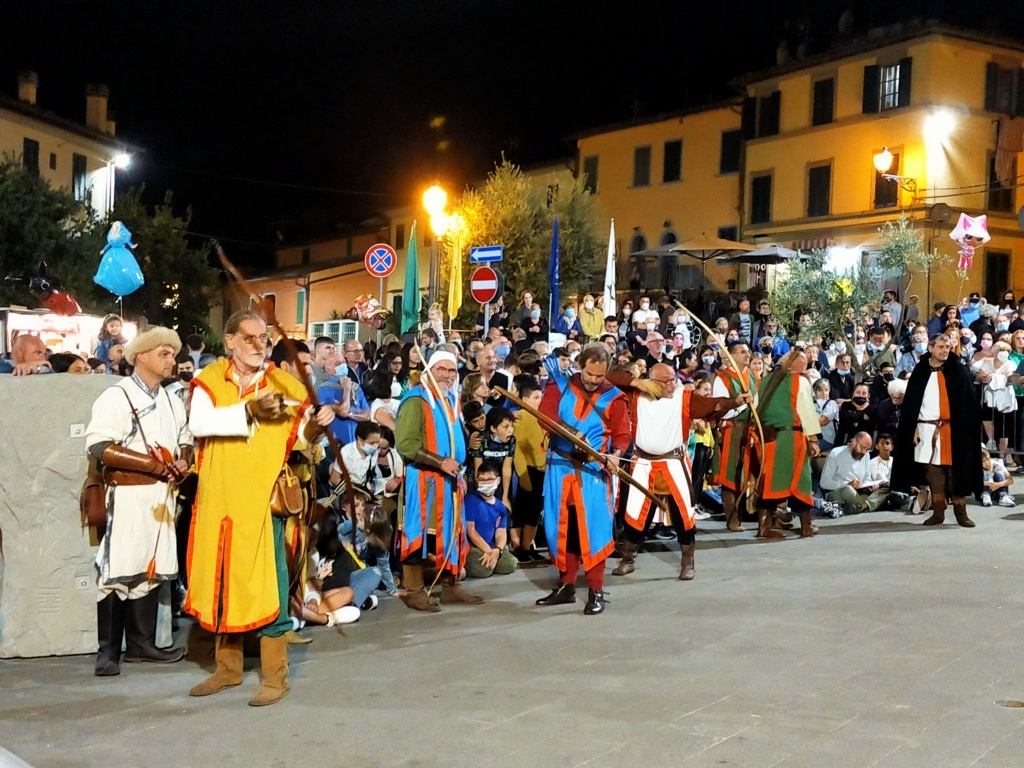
47 577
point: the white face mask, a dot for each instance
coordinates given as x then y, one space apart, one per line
1002 357
644 305
588 304
396 389
650 326
626 312
488 489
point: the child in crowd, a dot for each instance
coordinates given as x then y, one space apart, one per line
373 536
529 462
997 482
499 446
390 472
109 336
474 422
486 521
360 457
703 439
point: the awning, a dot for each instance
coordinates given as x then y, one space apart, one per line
816 244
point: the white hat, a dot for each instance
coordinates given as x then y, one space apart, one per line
155 337
442 354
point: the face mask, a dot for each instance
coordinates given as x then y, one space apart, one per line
874 348
368 449
645 305
859 348
714 345
708 359
840 346
650 326
502 351
975 301
1002 357
921 347
570 313
535 314
186 376
626 311
860 400
677 343
986 343
488 489
341 370
588 304
842 373
1002 326
396 389
887 377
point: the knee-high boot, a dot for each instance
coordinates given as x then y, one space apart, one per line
686 572
415 596
938 511
806 528
960 510
140 632
273 671
229 666
732 511
110 633
764 526
452 592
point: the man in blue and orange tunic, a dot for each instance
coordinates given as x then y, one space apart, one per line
429 437
732 460
579 494
791 431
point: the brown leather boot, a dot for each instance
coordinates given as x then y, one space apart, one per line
273 671
764 526
229 666
732 512
938 511
452 592
628 550
806 528
415 596
960 510
686 572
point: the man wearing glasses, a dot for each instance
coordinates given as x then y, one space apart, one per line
248 415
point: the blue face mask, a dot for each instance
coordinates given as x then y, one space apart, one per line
535 315
1003 327
570 313
368 449
341 370
843 373
921 347
502 351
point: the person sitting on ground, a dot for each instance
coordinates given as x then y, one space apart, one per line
828 414
846 478
373 539
486 521
857 415
889 408
880 468
997 482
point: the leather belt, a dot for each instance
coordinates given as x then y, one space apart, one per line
678 453
770 433
116 477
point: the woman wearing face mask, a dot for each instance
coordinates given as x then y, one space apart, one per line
523 310
858 414
625 318
828 414
568 324
1009 305
383 391
535 326
708 360
999 404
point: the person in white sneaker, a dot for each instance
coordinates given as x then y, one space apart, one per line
997 482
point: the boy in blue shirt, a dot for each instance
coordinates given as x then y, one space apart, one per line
486 523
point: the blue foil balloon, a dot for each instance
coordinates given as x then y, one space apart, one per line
119 272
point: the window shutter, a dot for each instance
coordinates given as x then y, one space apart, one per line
904 94
748 121
1019 106
775 100
991 85
872 72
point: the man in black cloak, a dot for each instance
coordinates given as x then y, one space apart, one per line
938 440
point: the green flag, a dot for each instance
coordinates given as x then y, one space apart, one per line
411 292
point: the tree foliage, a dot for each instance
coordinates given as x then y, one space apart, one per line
510 211
903 251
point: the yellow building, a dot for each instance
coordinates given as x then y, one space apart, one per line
664 180
80 158
939 102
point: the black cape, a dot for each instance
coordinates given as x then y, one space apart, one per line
965 424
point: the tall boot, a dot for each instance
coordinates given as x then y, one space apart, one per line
140 632
452 592
273 671
732 511
764 526
686 572
109 632
960 510
806 528
628 550
938 511
229 666
415 596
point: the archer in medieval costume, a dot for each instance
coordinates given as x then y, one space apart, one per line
731 468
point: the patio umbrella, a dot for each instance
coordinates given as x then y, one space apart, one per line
768 254
702 247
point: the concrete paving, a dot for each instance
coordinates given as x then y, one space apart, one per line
878 643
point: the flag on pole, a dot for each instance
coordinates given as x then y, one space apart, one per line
455 281
609 275
553 276
411 291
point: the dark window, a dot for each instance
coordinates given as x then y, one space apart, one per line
748 118
819 190
761 200
400 236
729 233
768 114
396 305
642 167
824 102
637 243
668 237
30 156
729 159
887 192
1000 198
305 255
673 166
1004 89
997 272
53 161
590 172
887 86
79 187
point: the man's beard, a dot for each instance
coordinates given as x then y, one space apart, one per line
590 387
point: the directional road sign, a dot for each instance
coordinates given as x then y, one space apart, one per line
484 286
380 260
485 253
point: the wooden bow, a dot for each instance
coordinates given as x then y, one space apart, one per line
583 446
293 354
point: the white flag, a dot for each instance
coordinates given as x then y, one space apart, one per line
609 276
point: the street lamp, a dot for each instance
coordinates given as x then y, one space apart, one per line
434 201
883 163
122 160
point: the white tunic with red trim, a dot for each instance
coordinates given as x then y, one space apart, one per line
662 427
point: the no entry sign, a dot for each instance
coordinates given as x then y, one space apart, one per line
380 260
484 286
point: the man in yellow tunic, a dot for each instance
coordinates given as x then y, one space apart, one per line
247 415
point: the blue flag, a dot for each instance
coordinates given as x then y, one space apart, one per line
553 276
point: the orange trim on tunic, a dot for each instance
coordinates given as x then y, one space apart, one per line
946 429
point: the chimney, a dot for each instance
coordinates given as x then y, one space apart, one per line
96 96
28 84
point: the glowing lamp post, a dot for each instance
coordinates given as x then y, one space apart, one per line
434 201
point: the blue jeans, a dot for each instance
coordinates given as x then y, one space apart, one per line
362 583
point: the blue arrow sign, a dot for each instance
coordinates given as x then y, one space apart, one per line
485 253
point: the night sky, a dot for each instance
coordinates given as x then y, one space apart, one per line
341 94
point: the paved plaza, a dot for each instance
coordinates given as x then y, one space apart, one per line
879 643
